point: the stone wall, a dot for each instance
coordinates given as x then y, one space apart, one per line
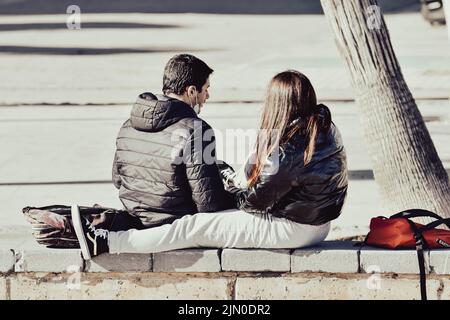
333 270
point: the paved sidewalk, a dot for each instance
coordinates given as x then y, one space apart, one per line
66 144
101 64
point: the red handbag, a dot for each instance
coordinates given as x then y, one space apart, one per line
400 232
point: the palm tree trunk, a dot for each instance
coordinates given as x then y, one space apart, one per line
446 4
406 165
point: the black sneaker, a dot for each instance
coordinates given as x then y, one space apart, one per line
93 241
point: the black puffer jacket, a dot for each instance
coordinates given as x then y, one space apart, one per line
313 194
155 165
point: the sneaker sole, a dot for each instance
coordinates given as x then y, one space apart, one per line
77 225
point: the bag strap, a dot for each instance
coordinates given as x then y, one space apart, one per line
420 244
413 213
435 224
360 245
55 206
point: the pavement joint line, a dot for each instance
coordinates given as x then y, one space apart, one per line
107 104
39 183
352 175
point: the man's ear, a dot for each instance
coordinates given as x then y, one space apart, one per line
191 90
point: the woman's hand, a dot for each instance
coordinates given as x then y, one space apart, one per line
227 174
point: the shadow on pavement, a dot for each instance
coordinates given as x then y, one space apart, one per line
86 25
184 6
90 51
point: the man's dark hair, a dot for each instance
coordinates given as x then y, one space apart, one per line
182 71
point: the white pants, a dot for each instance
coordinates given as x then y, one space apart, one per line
224 229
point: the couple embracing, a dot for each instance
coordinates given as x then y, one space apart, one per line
178 195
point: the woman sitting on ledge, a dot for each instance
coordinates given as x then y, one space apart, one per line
296 184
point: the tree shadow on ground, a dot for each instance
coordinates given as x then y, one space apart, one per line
85 25
91 51
184 6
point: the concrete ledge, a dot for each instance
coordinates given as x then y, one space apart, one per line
218 286
391 261
330 270
6 260
114 286
440 261
327 257
191 260
330 287
48 260
3 289
256 260
330 256
124 262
